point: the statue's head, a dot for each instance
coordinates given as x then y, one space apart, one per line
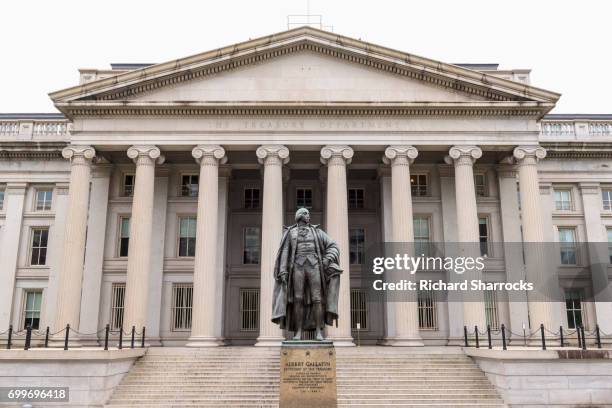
302 215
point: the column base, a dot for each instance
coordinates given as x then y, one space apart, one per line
405 342
342 341
203 341
269 341
57 342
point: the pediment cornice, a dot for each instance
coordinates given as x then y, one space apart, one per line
250 108
124 86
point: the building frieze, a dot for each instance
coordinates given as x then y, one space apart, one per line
259 109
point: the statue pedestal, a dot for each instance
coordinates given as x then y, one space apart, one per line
308 374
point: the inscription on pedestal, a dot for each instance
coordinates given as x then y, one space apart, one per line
308 375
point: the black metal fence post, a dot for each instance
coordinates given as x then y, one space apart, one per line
579 336
503 330
28 339
465 336
106 332
598 336
10 337
66 337
47 337
489 336
584 345
142 341
120 345
543 337
476 331
133 334
561 335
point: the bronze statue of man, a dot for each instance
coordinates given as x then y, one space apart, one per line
307 278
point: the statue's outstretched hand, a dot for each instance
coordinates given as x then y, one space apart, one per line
326 262
283 278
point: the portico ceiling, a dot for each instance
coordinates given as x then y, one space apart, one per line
126 93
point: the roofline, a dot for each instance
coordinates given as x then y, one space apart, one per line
44 115
370 49
576 116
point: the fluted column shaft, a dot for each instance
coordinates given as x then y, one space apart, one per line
272 157
205 274
336 158
406 310
141 225
541 306
463 158
71 272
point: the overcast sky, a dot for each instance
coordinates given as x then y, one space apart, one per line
567 44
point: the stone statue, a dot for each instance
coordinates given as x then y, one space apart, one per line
307 278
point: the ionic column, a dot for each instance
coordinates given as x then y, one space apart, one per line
336 158
141 226
463 158
405 311
539 269
272 157
71 272
206 274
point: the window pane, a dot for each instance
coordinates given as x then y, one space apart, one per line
251 244
356 246
128 185
1 200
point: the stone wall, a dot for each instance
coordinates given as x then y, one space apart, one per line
90 375
548 378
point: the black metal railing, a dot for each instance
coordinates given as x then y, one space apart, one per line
32 338
541 337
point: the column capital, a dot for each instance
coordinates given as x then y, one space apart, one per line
589 187
272 154
83 153
528 154
463 155
209 155
148 152
335 154
400 155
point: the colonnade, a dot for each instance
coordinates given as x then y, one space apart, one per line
273 157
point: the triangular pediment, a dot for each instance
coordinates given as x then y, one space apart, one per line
303 65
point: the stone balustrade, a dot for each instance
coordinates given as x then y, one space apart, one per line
576 128
34 127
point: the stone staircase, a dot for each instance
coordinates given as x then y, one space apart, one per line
249 377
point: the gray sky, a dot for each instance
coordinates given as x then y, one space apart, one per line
567 44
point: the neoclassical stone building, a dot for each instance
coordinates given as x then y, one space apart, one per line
158 195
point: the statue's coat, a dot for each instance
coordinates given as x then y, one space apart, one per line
282 303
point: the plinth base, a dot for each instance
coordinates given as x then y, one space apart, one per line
308 374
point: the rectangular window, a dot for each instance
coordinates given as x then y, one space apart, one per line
303 198
356 198
421 235
356 246
428 318
490 298
124 236
117 302
480 183
418 185
483 235
43 200
40 241
182 302
609 231
573 308
251 198
1 200
187 236
128 185
567 244
252 246
606 198
31 310
563 200
189 185
249 309
359 309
